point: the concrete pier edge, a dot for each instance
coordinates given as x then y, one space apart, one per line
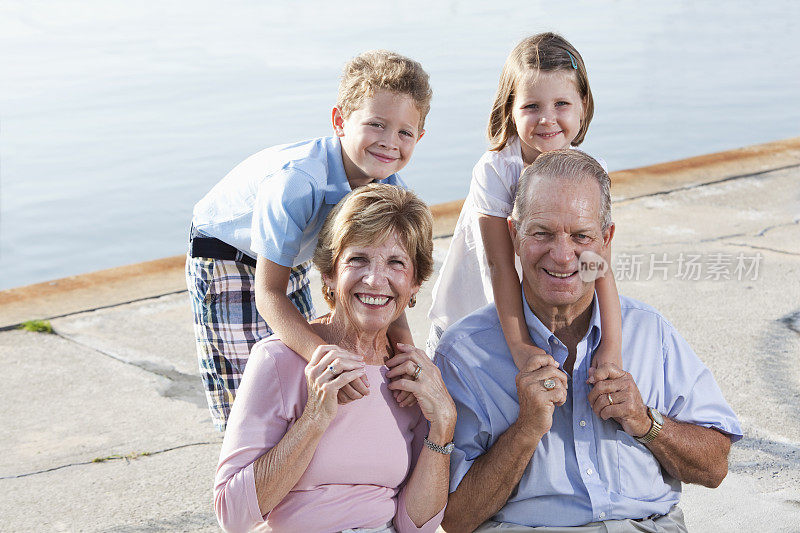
150 279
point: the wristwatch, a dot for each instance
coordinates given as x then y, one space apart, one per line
657 422
447 449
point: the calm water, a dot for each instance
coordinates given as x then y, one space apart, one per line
115 118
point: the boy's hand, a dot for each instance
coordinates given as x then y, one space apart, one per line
355 390
523 353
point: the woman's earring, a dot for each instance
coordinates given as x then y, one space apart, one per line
413 301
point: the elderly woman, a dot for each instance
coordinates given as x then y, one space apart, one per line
293 459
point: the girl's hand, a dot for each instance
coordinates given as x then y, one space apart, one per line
524 353
330 369
428 389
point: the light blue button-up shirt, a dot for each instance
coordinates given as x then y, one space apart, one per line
584 469
274 202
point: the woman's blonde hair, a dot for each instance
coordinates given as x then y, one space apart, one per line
382 69
542 52
368 215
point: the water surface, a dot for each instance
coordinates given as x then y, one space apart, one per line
115 118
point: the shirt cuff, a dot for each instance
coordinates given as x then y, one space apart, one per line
403 523
250 494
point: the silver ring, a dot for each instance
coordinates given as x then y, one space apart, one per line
333 371
549 384
417 372
610 401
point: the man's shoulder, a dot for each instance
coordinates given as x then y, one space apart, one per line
475 337
635 311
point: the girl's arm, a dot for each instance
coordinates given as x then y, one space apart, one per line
506 288
610 349
283 317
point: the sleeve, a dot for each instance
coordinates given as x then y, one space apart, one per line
402 522
257 422
692 393
285 203
473 430
492 190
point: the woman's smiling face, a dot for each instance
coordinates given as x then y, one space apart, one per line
373 284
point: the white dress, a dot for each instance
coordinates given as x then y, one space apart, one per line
464 284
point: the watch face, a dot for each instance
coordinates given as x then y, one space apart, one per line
449 447
656 416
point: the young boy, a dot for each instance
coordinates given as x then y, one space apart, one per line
254 233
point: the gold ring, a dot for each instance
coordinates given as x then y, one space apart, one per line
417 372
610 401
549 384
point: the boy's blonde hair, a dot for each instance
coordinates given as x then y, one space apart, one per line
367 216
381 69
542 52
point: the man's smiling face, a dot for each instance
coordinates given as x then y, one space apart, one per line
563 220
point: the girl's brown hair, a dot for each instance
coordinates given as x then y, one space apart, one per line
542 52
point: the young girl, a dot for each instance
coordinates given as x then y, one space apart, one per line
543 103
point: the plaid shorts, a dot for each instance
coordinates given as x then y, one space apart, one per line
227 324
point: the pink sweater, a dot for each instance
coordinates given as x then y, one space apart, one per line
356 472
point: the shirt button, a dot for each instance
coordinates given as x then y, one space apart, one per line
589 471
602 515
583 423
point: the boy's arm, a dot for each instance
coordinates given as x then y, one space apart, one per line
400 331
283 317
279 312
506 287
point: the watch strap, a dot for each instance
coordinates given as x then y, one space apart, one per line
447 449
655 427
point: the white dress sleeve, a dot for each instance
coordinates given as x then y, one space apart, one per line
494 181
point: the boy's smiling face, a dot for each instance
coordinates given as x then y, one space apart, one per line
379 137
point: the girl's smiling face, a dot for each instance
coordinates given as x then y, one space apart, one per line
373 284
547 112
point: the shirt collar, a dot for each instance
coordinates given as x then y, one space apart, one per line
543 337
337 186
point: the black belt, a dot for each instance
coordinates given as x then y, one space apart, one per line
216 249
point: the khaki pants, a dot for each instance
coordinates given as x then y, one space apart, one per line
671 522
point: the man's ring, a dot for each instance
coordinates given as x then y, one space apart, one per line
610 401
333 371
549 384
417 372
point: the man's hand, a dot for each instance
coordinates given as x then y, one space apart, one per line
615 395
536 402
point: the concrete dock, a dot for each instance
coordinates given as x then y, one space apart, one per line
106 426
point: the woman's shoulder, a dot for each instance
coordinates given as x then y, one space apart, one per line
271 351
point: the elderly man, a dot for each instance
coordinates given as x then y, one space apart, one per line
539 447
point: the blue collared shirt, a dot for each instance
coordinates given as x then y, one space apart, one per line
584 469
274 202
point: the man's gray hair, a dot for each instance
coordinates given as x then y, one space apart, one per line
569 164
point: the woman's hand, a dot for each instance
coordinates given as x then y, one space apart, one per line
330 369
427 389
